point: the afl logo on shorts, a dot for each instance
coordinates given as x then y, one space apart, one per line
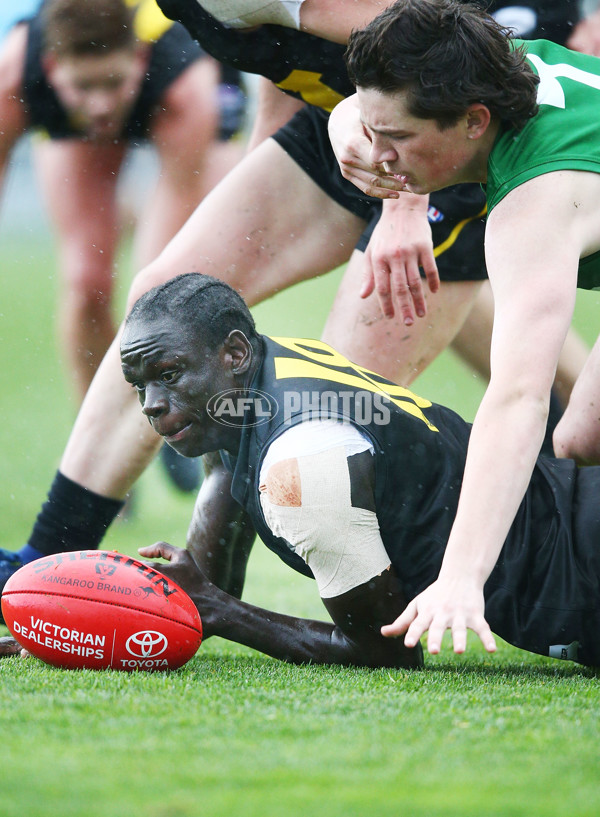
250 407
434 215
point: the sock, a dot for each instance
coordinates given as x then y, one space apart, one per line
72 518
28 554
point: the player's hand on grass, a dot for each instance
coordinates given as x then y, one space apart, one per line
8 646
352 150
400 245
445 605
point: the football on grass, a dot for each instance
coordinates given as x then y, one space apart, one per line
95 609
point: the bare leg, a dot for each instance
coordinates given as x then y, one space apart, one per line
358 329
79 184
578 433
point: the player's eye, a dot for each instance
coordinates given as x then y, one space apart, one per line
138 386
169 377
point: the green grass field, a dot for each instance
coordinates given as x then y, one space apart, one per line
236 733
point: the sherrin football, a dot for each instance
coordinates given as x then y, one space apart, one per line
95 609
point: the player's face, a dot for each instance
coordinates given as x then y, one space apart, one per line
416 150
98 92
175 376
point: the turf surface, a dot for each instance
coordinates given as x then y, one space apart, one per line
233 732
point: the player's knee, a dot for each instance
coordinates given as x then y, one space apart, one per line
570 442
282 484
87 289
153 275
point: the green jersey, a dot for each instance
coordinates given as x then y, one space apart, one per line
564 134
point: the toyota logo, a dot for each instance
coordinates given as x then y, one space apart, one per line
146 644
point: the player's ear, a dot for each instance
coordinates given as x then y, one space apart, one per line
478 119
239 350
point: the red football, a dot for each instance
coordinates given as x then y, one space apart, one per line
96 609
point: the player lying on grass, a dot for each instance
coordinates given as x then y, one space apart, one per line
242 233
445 96
348 478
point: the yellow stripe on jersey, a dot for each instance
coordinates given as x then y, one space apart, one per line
308 84
318 363
445 245
149 21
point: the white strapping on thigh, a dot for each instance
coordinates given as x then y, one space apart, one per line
249 13
341 544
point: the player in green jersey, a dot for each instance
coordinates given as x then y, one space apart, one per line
446 96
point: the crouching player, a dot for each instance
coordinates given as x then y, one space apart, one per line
351 480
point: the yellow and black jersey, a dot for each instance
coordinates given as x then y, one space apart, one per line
544 593
307 67
173 50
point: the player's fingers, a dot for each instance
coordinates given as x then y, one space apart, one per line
415 287
418 626
485 634
159 550
404 302
431 271
402 623
381 187
437 628
9 646
459 635
384 293
367 284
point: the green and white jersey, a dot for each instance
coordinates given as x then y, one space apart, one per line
564 135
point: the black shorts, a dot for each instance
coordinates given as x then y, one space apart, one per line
456 214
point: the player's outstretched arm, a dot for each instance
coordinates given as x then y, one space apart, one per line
331 19
532 252
327 18
353 640
221 535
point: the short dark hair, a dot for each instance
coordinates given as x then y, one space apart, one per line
448 55
206 305
74 28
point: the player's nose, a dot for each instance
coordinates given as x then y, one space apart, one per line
381 151
155 401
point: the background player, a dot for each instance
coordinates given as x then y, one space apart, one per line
99 77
